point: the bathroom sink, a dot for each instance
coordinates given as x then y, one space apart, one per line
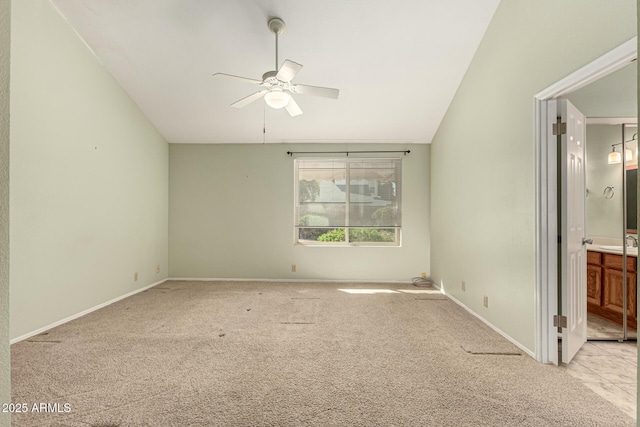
630 249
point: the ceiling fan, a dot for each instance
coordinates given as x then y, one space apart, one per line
278 84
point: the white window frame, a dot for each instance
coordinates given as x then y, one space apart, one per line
347 243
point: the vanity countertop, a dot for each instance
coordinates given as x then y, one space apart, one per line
599 248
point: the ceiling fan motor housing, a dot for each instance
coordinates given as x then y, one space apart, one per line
270 78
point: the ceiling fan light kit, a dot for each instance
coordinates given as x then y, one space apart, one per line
277 98
278 85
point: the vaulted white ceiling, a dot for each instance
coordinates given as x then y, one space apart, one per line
397 63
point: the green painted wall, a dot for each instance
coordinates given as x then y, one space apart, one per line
231 216
89 178
483 166
5 366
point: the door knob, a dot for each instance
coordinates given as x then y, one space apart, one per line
585 241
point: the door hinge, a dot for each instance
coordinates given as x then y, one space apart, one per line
559 128
559 239
559 321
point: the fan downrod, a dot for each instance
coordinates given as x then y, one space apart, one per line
277 27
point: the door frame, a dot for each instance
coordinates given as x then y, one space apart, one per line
546 247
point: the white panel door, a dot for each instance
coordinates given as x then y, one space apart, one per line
572 222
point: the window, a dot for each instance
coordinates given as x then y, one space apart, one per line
348 201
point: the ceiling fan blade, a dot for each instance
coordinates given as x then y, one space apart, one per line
249 99
325 92
238 78
288 71
292 108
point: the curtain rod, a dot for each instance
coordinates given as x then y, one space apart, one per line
291 153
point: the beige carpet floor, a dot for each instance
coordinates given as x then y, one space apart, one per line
291 354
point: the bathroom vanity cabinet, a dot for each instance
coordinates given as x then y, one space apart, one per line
605 286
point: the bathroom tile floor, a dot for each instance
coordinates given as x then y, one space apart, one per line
609 369
598 328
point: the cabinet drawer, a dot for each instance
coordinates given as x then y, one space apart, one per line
594 258
615 261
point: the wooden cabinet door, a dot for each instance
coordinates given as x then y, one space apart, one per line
594 284
632 306
612 292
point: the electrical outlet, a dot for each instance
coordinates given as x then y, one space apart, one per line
158 269
423 275
135 276
293 268
486 301
464 286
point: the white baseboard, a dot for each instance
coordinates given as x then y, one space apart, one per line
82 313
486 322
251 279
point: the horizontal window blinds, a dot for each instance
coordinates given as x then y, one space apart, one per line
354 193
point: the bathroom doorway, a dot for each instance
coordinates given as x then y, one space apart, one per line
610 105
549 317
611 200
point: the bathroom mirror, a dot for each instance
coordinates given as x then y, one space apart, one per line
607 182
631 178
632 200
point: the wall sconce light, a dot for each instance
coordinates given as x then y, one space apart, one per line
614 156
